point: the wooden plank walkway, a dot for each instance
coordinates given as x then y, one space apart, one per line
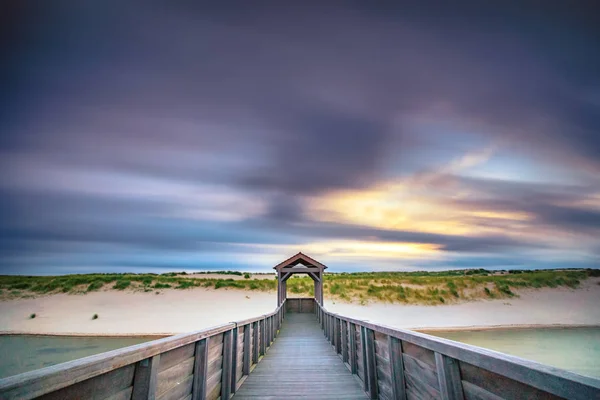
301 364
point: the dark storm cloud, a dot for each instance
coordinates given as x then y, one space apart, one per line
36 218
326 149
281 101
283 66
575 218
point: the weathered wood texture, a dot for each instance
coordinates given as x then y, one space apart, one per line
303 305
175 367
108 384
382 361
400 364
300 365
396 369
200 369
371 363
195 365
210 364
360 357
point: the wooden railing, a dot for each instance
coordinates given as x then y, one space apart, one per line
207 364
213 363
300 305
400 364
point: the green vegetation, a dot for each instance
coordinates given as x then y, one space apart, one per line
95 285
159 285
95 316
422 287
438 287
32 316
122 284
246 276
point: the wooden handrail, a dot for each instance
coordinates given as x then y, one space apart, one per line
214 362
446 360
133 359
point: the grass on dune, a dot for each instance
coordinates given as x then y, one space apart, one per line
394 287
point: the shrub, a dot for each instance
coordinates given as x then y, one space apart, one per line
246 276
32 316
95 316
21 286
296 289
506 290
185 284
95 286
594 272
229 283
159 285
122 284
337 288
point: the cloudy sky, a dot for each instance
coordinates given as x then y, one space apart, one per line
145 137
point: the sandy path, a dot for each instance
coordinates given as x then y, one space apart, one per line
175 311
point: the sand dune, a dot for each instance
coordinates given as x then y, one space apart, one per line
176 311
559 306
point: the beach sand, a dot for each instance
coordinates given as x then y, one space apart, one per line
176 311
543 307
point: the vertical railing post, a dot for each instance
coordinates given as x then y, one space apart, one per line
144 380
234 352
352 359
247 357
278 322
263 337
448 378
226 368
397 368
344 341
334 333
200 370
363 347
273 328
338 335
256 342
371 374
332 330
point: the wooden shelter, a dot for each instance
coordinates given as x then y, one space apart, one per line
299 264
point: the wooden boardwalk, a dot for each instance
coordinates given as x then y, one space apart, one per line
301 364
